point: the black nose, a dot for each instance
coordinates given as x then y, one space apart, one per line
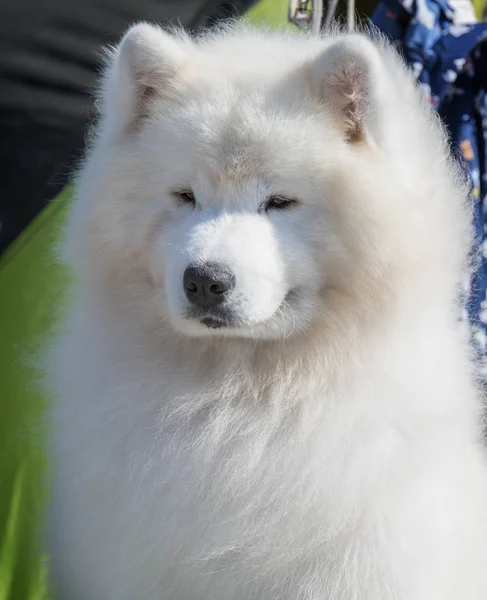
208 285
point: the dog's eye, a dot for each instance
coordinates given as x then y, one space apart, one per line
279 202
185 196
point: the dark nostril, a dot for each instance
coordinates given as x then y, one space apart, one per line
208 285
216 289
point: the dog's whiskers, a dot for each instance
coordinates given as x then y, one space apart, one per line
293 314
178 248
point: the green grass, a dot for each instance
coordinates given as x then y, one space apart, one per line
31 289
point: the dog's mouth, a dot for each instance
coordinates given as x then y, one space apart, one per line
216 318
213 323
223 317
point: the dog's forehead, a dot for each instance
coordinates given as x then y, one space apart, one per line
235 134
248 136
231 136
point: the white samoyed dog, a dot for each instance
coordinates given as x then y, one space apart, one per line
262 392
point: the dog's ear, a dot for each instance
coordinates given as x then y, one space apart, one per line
348 75
140 69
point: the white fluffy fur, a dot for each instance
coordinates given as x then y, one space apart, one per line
327 447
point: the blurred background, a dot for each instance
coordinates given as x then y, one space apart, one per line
50 59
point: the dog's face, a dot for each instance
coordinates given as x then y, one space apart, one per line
232 182
245 237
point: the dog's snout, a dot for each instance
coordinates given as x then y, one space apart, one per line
208 285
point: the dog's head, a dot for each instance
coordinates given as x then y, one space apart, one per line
240 184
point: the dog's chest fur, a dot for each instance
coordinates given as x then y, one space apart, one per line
221 489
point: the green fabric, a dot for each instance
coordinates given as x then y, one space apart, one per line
31 290
30 286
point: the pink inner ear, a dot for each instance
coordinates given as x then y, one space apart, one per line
145 96
350 91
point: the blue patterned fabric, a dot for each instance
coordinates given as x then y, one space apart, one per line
450 64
